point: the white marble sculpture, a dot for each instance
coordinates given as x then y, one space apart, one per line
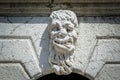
63 35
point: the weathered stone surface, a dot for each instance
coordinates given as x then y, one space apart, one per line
86 1
25 1
109 72
104 35
12 71
63 25
24 45
21 51
23 40
45 7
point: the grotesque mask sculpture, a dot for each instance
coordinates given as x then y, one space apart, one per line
63 35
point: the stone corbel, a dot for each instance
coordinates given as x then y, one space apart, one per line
63 35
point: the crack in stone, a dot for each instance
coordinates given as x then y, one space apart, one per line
91 54
9 20
108 75
28 20
14 29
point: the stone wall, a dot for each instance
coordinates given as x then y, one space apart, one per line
45 7
24 41
24 48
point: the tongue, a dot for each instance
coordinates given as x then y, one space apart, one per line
68 45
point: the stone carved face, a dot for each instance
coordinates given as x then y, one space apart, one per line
63 35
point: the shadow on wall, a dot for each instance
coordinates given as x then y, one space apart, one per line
44 43
71 76
44 53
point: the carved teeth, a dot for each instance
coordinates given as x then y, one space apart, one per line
66 43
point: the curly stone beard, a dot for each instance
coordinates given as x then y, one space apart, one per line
61 50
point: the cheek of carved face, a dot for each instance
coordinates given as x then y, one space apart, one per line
63 36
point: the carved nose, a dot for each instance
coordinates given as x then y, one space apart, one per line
62 33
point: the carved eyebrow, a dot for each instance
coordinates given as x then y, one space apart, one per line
68 23
53 26
55 22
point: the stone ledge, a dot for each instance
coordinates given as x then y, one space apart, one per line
25 1
45 7
86 1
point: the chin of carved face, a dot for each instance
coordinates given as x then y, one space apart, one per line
64 46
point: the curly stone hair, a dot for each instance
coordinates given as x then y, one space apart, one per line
64 15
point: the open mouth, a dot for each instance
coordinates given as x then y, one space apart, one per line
65 45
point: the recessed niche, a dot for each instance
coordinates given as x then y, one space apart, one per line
71 76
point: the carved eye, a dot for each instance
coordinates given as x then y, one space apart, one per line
55 28
69 27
